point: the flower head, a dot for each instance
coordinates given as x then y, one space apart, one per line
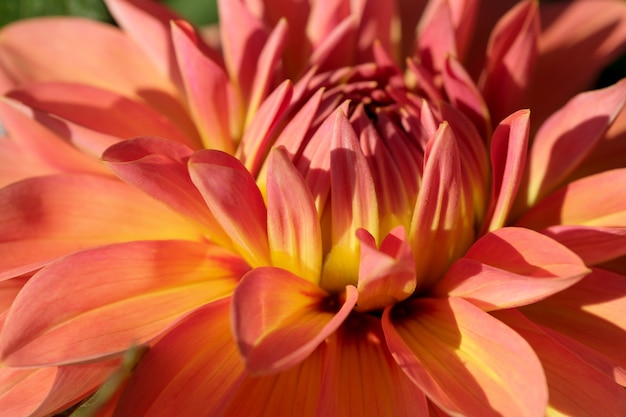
383 233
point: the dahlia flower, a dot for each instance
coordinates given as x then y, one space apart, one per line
334 209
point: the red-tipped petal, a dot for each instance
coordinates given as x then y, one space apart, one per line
575 387
201 75
235 200
361 377
89 307
465 361
437 213
511 55
47 217
294 233
386 274
567 137
508 160
353 204
592 313
511 267
191 371
279 318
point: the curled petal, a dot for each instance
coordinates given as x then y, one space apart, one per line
202 365
361 377
386 274
464 360
294 234
511 267
508 159
113 305
279 318
564 140
235 200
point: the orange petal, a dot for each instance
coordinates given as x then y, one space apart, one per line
94 109
235 200
47 217
575 387
511 267
279 318
593 245
193 370
386 275
28 55
508 160
467 362
564 140
293 392
22 390
294 234
597 201
361 378
199 75
112 305
590 313
353 204
511 55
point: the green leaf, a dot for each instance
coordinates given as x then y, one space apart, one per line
11 10
197 12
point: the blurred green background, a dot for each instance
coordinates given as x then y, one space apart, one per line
199 12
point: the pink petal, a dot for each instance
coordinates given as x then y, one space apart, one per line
598 201
386 274
590 313
51 153
47 217
570 38
511 267
337 48
89 307
243 37
376 25
464 360
256 140
464 95
353 204
236 202
508 160
159 168
293 392
568 136
575 388
294 234
193 370
279 318
511 55
148 23
95 109
199 75
437 215
361 377
436 36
